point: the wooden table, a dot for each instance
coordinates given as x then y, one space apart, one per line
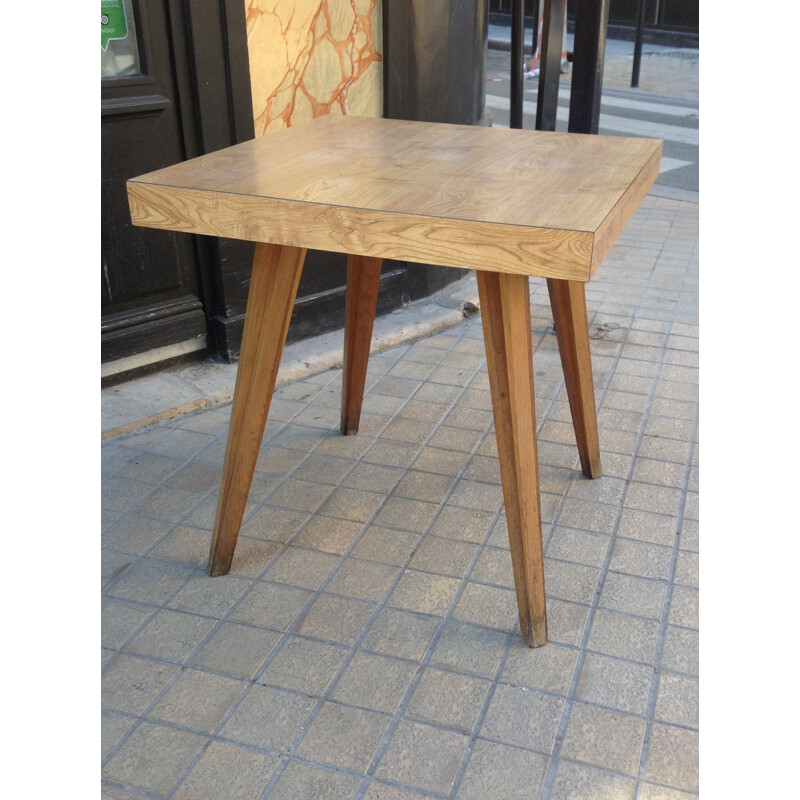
507 203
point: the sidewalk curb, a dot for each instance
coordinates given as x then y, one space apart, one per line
154 398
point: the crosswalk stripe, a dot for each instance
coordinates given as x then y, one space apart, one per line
653 130
671 163
611 100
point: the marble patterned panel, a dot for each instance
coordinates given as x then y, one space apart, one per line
314 57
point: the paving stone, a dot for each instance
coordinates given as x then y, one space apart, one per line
633 595
225 770
588 516
468 648
328 534
153 758
581 782
487 605
374 681
378 790
364 580
386 546
286 711
448 699
198 700
476 495
252 556
651 791
614 683
566 621
498 770
212 597
299 566
351 504
302 780
604 738
684 608
113 727
374 477
424 592
427 486
181 444
580 547
300 495
494 566
304 665
344 737
150 581
623 636
401 634
522 717
270 605
565 581
170 505
672 758
687 570
184 545
407 515
171 635
122 494
338 619
681 650
548 669
641 558
441 461
606 490
644 526
443 556
461 523
322 468
422 756
238 650
150 467
120 620
678 700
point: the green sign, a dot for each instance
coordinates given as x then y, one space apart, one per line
114 24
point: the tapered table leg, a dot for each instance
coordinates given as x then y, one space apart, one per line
361 300
568 302
273 288
506 318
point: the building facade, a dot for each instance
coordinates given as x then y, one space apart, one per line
182 79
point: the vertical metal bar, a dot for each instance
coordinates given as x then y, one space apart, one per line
591 21
517 61
550 65
637 47
535 15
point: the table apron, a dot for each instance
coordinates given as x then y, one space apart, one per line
447 242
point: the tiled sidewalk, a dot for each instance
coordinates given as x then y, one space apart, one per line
365 644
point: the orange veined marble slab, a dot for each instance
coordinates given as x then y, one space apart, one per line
517 201
309 58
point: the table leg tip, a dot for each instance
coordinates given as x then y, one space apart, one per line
536 635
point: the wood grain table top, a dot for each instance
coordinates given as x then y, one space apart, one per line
517 201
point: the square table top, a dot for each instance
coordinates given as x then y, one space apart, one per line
519 201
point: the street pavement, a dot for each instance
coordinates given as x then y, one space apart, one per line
665 106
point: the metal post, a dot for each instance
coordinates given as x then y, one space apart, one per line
517 61
550 65
591 21
637 47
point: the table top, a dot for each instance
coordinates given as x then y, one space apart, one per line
518 201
